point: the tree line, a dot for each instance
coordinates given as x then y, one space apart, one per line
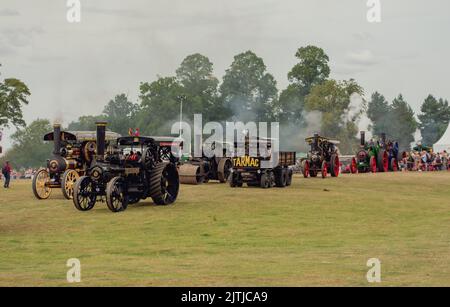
312 101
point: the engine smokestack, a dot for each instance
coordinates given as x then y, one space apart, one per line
101 143
363 138
316 140
56 139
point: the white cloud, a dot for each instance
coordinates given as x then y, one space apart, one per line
363 58
8 13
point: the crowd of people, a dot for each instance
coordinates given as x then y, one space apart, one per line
423 160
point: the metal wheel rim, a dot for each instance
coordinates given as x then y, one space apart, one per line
41 188
84 196
69 183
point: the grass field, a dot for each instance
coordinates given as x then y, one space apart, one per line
316 232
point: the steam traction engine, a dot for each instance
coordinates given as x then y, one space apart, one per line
73 152
371 157
323 157
201 170
393 152
251 170
135 168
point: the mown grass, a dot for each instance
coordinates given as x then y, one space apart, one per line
316 232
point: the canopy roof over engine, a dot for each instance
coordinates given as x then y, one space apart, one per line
81 136
322 139
145 140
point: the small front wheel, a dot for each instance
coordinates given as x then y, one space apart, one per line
265 181
116 197
324 169
305 169
289 177
84 194
68 181
41 180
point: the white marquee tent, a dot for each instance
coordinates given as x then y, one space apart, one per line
443 143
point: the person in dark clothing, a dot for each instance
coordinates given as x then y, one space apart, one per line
6 171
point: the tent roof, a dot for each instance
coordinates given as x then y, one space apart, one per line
444 142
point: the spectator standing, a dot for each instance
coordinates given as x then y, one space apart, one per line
6 171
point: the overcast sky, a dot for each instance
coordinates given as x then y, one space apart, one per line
73 69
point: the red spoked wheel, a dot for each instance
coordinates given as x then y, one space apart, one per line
394 165
306 169
353 166
324 169
373 164
335 166
385 162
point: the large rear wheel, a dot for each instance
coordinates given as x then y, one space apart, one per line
224 168
41 179
383 161
335 165
373 164
164 183
393 165
68 181
84 194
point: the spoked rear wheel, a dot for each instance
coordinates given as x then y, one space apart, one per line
335 165
164 183
84 195
383 161
394 165
116 197
373 164
224 168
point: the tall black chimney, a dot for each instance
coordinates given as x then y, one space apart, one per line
363 138
56 139
101 143
316 140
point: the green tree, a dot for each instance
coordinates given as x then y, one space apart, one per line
248 90
86 123
312 68
13 94
200 88
29 148
404 124
291 105
160 105
434 119
120 113
378 112
332 98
